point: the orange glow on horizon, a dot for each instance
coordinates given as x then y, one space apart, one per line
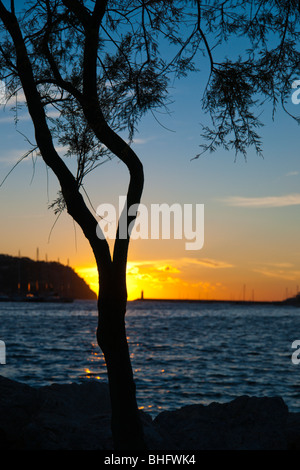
197 279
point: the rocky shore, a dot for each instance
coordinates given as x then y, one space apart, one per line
77 417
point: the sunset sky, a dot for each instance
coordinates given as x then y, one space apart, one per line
251 222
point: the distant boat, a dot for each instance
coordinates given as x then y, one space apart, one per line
35 298
47 298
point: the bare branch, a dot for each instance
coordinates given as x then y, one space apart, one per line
74 201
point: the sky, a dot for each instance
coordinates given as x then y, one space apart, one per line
251 207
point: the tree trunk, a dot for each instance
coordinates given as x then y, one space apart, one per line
127 429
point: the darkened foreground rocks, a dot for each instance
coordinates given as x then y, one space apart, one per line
77 417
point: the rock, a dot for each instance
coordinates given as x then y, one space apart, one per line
293 431
61 417
244 423
154 438
71 416
77 417
17 405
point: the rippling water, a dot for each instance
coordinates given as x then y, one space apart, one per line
181 353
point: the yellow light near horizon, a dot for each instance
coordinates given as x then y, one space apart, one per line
134 285
90 275
156 279
178 279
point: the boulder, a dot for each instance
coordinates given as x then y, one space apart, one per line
77 417
69 416
61 417
245 423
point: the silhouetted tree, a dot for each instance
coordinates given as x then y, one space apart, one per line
102 64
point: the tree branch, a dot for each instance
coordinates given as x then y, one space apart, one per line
92 111
75 204
67 86
79 10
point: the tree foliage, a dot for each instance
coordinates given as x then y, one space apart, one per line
101 65
250 48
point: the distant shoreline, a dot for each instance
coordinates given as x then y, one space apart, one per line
288 302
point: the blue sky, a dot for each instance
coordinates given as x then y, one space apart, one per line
251 207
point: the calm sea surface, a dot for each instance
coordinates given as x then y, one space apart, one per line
181 353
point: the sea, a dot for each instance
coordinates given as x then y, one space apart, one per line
181 353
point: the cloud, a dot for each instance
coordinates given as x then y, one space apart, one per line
168 269
183 272
155 272
11 117
292 173
209 263
7 119
24 116
53 114
280 265
19 98
161 266
176 265
279 270
161 278
13 155
264 202
289 276
139 141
